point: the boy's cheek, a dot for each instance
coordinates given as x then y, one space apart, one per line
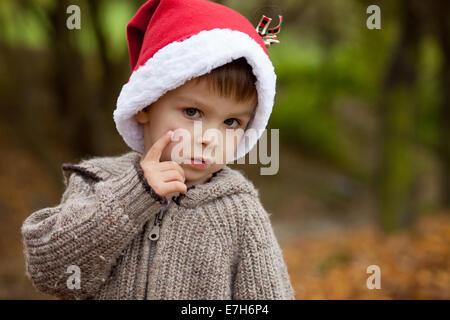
173 152
167 153
181 147
229 151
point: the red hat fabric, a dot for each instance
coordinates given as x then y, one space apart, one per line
173 41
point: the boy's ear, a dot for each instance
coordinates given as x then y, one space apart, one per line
142 116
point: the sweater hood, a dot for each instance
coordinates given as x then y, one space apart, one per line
225 182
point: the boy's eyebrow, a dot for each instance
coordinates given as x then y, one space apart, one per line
193 101
205 106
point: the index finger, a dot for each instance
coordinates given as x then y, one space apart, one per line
154 154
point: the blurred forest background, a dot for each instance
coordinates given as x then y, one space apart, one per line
363 115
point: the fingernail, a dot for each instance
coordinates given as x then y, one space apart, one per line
175 138
170 133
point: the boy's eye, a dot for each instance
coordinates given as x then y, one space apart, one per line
190 112
230 123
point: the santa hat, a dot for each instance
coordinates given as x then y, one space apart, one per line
173 41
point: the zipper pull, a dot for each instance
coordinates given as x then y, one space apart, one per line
154 233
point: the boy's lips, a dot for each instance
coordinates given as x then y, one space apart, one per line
200 163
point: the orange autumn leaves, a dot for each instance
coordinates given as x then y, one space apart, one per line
414 263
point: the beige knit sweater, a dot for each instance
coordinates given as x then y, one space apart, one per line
216 242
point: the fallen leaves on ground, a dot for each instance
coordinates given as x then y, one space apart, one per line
414 263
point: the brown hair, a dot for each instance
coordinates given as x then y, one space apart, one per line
233 80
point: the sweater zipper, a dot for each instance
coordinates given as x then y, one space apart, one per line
153 237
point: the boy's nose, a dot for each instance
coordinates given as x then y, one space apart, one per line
207 140
204 140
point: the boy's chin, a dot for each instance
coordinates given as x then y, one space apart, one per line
196 177
193 172
198 174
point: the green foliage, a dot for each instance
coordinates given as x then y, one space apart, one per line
311 77
23 26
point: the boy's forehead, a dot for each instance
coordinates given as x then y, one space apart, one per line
196 84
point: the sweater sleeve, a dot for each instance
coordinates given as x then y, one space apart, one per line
261 272
86 233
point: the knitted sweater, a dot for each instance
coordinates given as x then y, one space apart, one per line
215 242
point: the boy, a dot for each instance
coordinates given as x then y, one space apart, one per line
142 226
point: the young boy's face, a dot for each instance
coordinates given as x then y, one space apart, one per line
194 101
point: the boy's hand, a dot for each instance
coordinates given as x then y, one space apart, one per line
167 177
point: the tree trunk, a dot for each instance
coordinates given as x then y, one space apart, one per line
396 172
444 125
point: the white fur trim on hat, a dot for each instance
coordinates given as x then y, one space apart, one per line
180 61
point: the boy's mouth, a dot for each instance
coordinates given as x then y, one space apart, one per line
199 163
